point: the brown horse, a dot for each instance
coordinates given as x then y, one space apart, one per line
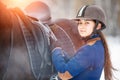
24 49
24 46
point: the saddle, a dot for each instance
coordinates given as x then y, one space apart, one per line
25 53
29 57
70 27
39 53
63 39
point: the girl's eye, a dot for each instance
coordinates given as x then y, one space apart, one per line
80 22
86 22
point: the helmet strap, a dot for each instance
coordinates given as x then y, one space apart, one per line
95 28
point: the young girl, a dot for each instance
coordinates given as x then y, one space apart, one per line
89 61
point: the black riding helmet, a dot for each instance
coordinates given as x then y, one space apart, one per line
92 12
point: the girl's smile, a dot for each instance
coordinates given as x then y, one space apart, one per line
85 27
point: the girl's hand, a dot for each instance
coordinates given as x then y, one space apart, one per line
65 76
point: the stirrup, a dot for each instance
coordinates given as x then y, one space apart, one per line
54 77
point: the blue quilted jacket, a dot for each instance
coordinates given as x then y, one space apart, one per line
86 64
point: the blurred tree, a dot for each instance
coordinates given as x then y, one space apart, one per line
112 9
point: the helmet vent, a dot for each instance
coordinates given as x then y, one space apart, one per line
82 11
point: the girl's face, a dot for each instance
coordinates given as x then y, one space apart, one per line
85 27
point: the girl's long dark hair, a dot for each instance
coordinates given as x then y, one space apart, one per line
107 65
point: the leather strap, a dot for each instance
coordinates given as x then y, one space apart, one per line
34 55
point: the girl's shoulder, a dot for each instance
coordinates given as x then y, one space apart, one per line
91 46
